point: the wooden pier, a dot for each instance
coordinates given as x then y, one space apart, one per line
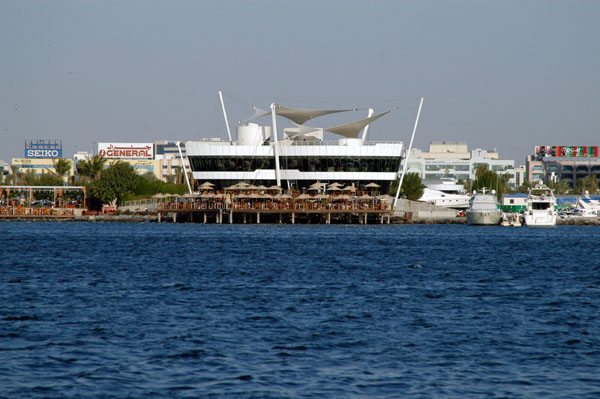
270 215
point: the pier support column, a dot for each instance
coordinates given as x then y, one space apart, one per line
328 220
231 216
293 217
220 216
204 214
244 217
258 218
388 218
280 218
159 217
366 216
174 217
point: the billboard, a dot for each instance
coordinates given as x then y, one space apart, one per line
43 148
569 151
126 150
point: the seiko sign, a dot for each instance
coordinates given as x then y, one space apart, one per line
31 153
126 150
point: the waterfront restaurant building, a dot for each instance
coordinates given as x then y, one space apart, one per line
300 157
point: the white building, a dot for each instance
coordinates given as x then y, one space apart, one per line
299 157
455 161
167 153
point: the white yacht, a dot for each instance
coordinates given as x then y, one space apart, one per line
483 209
300 156
447 200
540 208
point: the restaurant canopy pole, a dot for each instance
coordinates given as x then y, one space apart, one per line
412 137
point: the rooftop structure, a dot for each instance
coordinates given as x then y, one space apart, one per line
300 156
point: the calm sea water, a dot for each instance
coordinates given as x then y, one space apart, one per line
246 311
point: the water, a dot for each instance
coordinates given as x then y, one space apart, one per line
167 311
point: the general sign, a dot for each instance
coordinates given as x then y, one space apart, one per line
126 150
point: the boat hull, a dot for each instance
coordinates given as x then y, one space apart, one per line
484 218
540 219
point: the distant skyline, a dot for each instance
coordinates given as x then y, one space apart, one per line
508 74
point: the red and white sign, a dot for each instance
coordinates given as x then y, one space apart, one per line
126 150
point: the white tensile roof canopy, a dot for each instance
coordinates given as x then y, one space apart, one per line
300 116
351 130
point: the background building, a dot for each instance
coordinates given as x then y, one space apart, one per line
567 163
454 160
170 161
139 155
39 156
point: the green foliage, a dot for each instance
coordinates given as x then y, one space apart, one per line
91 168
61 166
588 183
412 187
560 187
115 184
145 187
490 180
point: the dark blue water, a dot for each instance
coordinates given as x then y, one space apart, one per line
163 311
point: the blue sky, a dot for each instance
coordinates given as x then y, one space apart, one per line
495 74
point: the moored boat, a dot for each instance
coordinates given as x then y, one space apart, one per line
483 209
540 209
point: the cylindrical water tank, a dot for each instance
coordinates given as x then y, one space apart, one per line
253 134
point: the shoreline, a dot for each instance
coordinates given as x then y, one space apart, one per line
169 220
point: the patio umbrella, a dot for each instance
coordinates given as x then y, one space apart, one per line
342 197
372 185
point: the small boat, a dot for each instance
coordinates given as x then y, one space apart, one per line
540 208
483 209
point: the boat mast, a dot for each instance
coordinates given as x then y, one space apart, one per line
412 137
225 116
275 144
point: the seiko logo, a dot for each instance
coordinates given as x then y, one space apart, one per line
42 153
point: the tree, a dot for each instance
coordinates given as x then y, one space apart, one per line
115 183
588 183
61 167
91 168
412 188
490 180
560 187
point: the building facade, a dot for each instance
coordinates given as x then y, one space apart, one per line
563 163
447 160
39 157
171 163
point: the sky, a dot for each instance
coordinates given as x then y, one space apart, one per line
505 75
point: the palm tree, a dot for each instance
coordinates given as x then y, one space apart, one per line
97 164
61 167
15 174
91 168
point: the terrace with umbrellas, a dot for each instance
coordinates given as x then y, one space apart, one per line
245 196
